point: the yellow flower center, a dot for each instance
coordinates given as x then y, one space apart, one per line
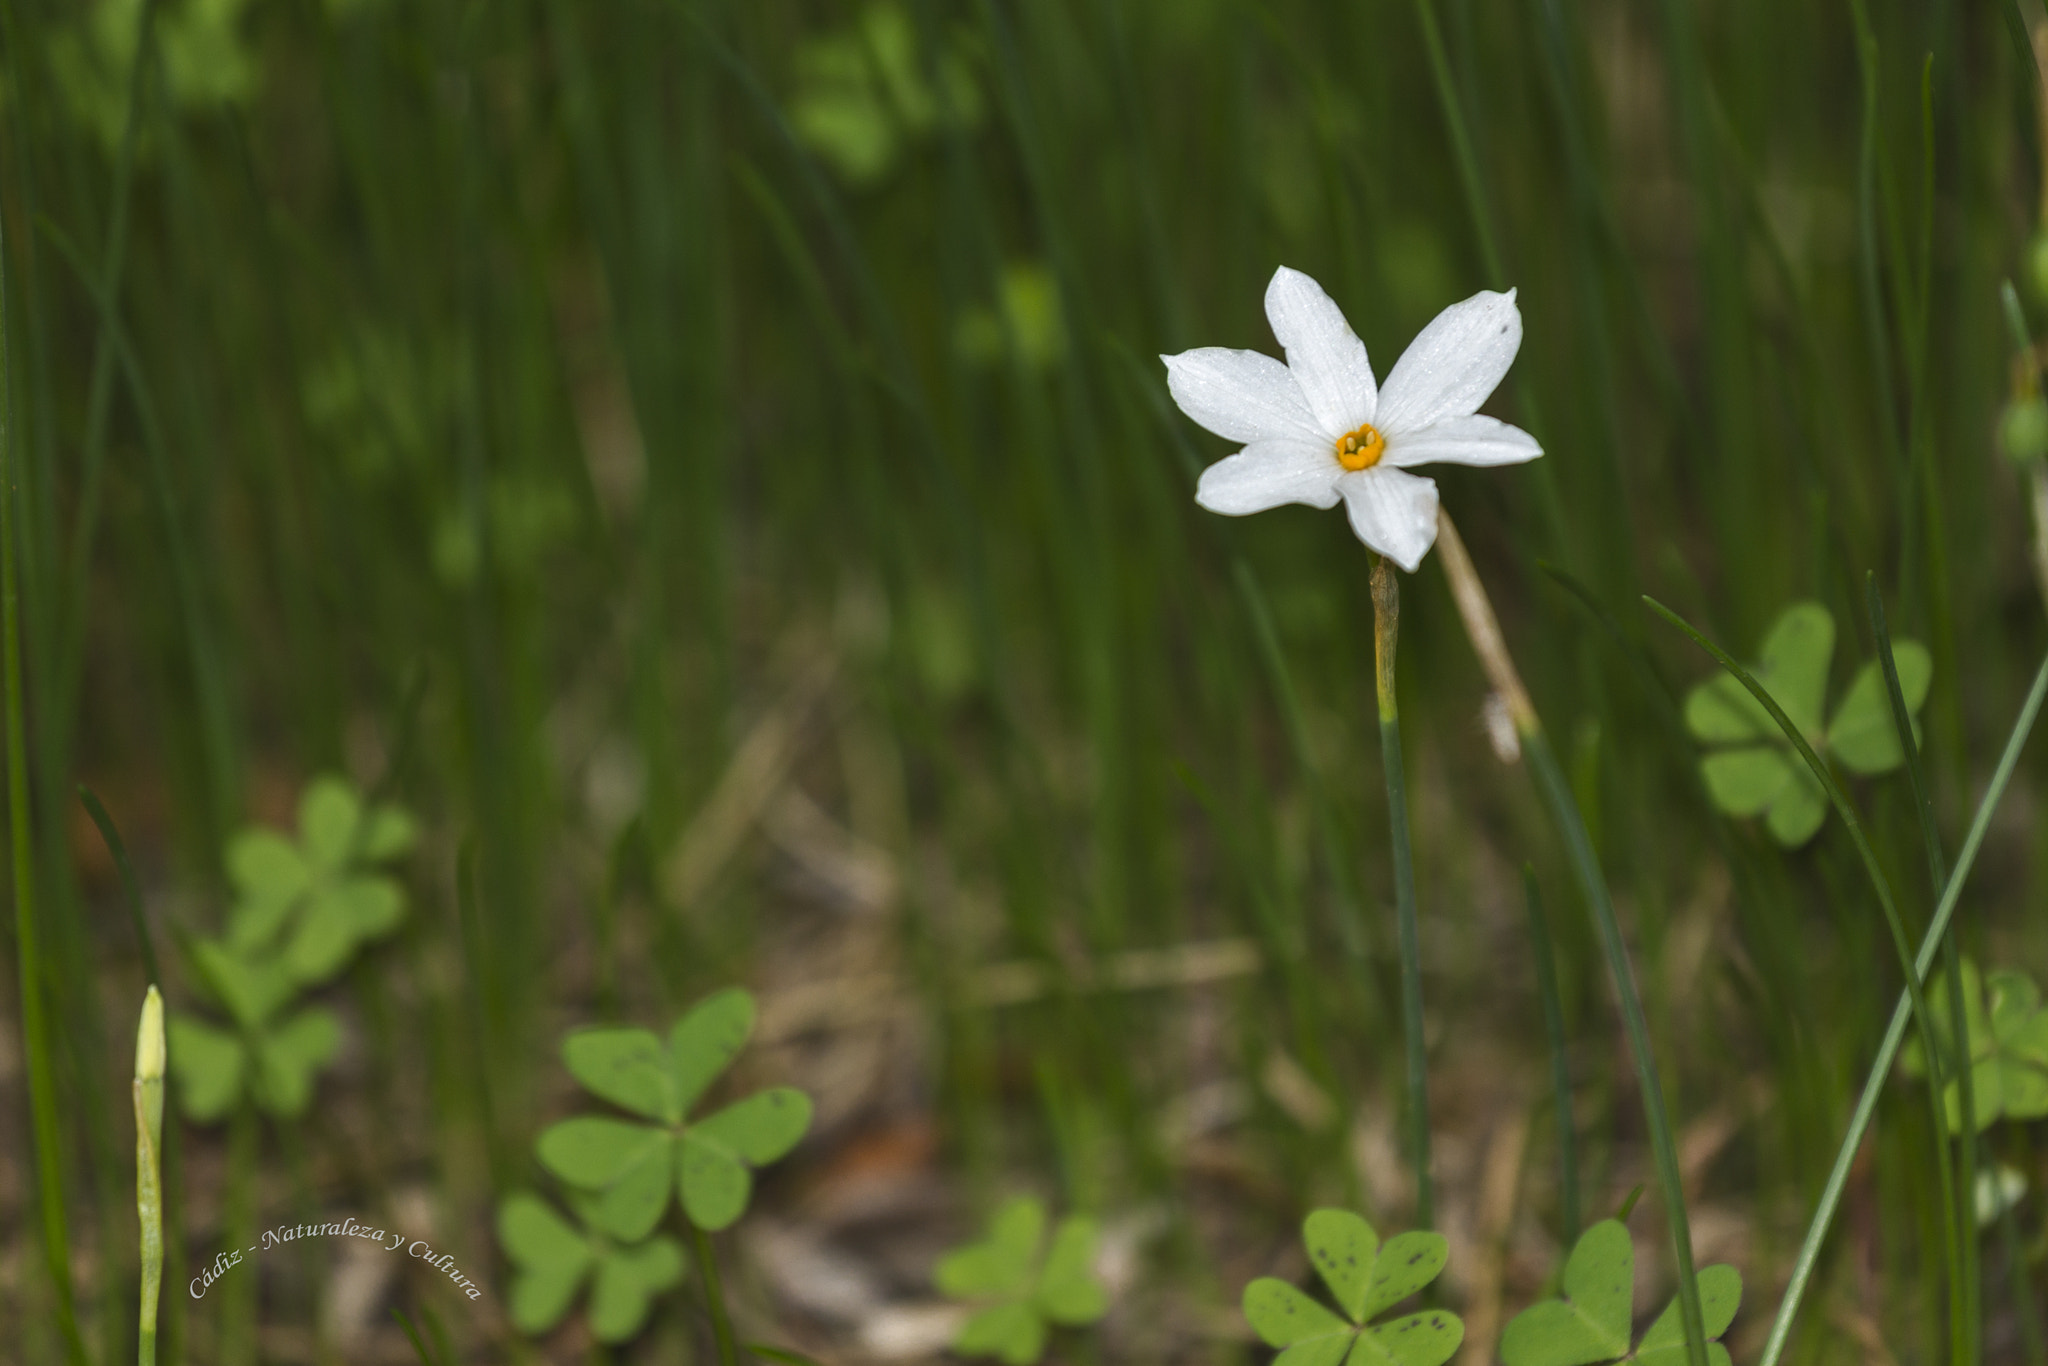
1361 450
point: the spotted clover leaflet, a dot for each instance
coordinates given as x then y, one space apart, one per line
1366 1278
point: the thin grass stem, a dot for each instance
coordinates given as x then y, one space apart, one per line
1887 1052
1476 610
42 1090
714 1297
1560 1059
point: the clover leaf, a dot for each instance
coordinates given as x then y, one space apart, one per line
1366 1278
276 1068
1031 1284
315 900
1757 771
865 92
632 1167
1590 1322
2008 1046
553 1260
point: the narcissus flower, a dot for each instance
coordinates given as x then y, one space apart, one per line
1319 428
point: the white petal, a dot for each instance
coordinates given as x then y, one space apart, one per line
1463 441
1326 356
1268 473
1240 394
1453 364
1392 511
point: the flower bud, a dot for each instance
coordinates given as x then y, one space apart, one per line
149 1038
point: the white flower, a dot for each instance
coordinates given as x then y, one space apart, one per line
1319 428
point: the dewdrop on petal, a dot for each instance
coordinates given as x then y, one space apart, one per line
1320 429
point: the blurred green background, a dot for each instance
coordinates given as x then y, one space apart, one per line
710 462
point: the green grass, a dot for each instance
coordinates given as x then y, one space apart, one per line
510 404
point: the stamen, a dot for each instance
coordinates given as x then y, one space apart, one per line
1361 450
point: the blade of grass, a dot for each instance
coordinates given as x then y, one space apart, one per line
1560 1058
1484 630
1963 1195
1895 1032
131 892
42 1093
1954 1233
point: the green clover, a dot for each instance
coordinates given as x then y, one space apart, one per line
1366 1278
314 898
553 1260
865 92
1591 1322
1031 1284
709 1162
270 1056
2008 1046
1758 772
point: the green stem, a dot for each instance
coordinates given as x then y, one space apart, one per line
1954 1229
1560 1062
42 1091
1895 1033
1386 613
714 1297
1483 628
1564 810
1965 1293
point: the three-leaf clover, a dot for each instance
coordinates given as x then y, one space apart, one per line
1366 1278
1590 1323
2008 1046
1031 1284
553 1260
316 899
632 1167
273 1059
1758 772
303 907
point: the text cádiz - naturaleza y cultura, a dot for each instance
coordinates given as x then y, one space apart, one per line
223 1262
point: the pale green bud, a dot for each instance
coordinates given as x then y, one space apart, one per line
149 1038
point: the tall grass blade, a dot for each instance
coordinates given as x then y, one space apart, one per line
1895 1032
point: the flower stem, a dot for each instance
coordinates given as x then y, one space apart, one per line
714 1297
1386 619
1484 629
